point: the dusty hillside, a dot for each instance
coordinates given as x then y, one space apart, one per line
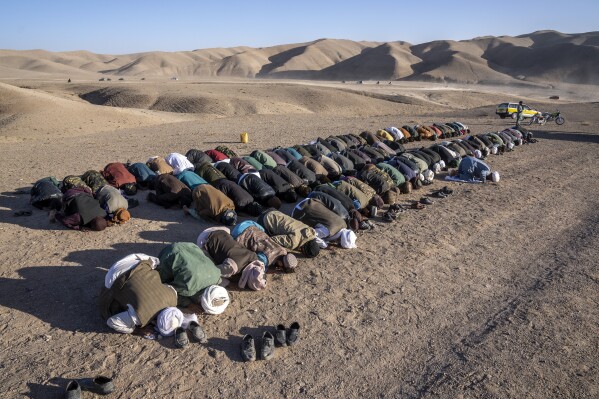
541 57
27 113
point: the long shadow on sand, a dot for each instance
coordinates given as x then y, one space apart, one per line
54 389
231 346
66 296
18 200
577 137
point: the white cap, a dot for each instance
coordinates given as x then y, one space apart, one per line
348 239
168 321
495 177
215 299
478 154
429 175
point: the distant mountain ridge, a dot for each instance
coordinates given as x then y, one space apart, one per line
542 56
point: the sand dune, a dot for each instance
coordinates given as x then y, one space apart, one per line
30 113
541 57
237 99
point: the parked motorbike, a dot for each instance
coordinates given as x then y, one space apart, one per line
542 118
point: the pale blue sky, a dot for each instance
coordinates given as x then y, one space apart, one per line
118 27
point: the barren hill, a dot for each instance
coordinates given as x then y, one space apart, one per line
542 57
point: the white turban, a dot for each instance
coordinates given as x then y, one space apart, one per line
168 321
348 239
203 237
437 168
478 154
493 150
178 162
442 164
126 264
429 175
215 299
495 177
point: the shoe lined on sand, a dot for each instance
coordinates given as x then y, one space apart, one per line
281 336
397 208
293 334
446 190
181 339
100 385
417 205
267 350
248 348
364 225
73 390
426 201
197 332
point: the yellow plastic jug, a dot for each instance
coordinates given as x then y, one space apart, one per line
244 138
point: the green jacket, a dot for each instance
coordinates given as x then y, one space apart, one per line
209 173
263 158
397 177
184 266
254 162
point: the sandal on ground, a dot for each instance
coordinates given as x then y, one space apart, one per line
23 213
417 205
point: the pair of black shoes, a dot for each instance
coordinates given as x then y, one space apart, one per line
366 225
287 337
442 193
100 385
267 349
197 332
282 337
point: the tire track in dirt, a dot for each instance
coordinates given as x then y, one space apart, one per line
440 370
451 371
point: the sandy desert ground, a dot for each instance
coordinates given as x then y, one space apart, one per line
492 292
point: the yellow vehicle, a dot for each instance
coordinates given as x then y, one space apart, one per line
505 110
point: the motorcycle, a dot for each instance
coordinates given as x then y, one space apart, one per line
542 118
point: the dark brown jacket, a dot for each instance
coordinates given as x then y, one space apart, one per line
142 289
